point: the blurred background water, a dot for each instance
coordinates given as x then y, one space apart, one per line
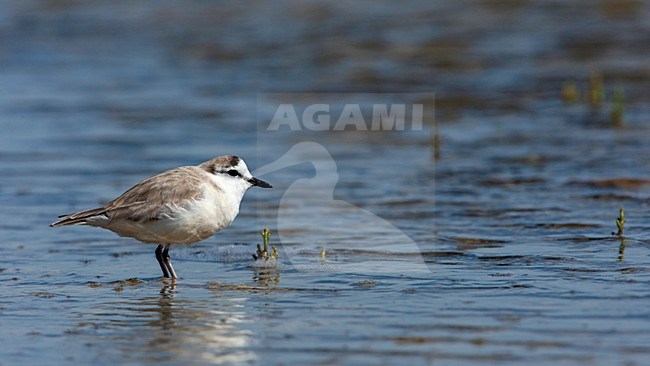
512 222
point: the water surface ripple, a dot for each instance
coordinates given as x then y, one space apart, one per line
504 253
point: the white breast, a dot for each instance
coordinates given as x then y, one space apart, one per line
212 213
185 223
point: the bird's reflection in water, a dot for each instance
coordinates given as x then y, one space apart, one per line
193 328
169 285
165 306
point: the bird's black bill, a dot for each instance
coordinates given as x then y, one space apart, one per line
259 183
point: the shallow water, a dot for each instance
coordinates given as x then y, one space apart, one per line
498 252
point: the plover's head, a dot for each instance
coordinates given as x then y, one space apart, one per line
231 173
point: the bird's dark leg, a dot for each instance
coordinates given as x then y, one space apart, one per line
168 261
160 258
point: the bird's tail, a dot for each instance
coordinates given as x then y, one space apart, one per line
78 218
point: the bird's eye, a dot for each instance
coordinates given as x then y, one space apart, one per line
233 173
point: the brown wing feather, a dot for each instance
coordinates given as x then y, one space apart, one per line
149 199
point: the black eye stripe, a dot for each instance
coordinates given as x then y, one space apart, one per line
233 173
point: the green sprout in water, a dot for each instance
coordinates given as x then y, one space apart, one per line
618 109
620 222
596 93
323 255
263 253
570 92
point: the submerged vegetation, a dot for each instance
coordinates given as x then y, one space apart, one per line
323 254
570 92
595 96
620 222
618 108
263 252
596 93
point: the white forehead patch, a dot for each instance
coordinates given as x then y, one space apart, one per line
241 166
